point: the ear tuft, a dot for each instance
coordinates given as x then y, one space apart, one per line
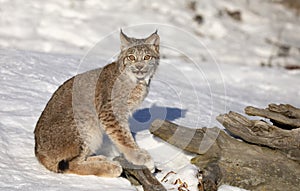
153 39
125 40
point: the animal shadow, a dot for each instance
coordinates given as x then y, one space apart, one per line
142 119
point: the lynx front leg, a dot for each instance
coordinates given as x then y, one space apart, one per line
122 138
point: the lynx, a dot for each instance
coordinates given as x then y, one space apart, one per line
70 130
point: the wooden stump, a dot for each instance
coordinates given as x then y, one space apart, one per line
268 159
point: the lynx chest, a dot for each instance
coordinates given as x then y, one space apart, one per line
137 95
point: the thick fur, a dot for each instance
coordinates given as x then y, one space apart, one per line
71 127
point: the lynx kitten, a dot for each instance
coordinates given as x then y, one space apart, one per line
71 127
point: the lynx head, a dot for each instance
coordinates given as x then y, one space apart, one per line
139 58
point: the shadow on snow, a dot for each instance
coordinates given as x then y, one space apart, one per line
142 119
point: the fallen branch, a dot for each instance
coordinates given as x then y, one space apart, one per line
140 175
286 118
286 110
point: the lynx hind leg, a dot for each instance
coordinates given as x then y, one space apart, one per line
95 165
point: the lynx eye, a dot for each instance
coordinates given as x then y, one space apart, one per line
147 57
131 57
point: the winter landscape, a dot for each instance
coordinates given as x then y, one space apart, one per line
216 56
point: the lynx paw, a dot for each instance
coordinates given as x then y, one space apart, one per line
140 157
116 169
108 168
111 169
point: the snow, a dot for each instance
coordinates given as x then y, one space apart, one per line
205 70
74 26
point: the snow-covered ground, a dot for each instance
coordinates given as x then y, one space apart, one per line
206 69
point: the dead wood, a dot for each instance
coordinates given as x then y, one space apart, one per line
185 138
233 162
286 110
262 133
283 135
140 175
282 115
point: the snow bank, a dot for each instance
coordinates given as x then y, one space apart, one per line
28 80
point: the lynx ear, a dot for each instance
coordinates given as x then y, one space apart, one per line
153 39
125 40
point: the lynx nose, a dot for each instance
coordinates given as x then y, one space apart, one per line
139 66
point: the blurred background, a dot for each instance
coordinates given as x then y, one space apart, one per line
256 32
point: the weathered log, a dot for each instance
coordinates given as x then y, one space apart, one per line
139 175
285 116
286 110
284 134
262 133
233 162
185 138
